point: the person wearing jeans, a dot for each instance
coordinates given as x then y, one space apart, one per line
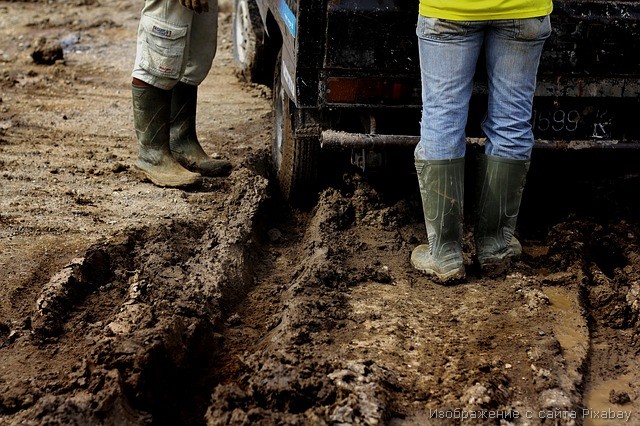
177 42
451 37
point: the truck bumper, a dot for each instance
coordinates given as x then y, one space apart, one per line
337 140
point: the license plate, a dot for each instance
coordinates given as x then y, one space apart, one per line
587 122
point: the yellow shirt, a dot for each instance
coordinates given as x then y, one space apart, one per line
484 10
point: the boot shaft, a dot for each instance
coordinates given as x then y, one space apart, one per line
442 191
501 184
184 101
151 118
151 114
185 147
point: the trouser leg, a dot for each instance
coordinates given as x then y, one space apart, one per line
448 55
512 50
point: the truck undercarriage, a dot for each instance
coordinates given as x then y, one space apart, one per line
346 76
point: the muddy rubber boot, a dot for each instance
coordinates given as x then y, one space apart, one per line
501 182
442 191
151 115
184 142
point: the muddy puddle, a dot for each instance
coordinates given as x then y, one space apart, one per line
570 327
612 397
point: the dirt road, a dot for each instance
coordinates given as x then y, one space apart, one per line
123 303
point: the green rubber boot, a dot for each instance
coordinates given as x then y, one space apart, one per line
442 191
151 120
184 142
501 182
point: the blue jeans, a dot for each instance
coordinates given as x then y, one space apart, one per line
449 52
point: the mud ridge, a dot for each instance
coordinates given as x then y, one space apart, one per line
170 287
292 376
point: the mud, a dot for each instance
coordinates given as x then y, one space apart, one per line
122 303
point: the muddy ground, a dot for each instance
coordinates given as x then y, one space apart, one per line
122 303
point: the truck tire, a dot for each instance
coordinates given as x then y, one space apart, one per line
296 148
249 48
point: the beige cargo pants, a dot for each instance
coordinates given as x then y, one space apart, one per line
175 43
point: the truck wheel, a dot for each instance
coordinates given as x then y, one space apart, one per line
249 49
295 156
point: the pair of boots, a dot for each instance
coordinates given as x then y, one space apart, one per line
501 182
169 152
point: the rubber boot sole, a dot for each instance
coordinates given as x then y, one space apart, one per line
421 262
160 178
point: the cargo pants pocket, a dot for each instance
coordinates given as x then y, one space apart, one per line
163 47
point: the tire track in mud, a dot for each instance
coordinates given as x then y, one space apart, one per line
603 260
295 375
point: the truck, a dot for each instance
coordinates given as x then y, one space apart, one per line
345 77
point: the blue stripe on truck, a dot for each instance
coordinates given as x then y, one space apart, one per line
287 16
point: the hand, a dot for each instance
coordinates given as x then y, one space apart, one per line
197 6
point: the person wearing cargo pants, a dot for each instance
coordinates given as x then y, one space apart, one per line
451 37
176 46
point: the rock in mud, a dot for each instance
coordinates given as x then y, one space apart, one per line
619 397
47 53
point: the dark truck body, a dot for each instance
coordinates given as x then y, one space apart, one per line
350 74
